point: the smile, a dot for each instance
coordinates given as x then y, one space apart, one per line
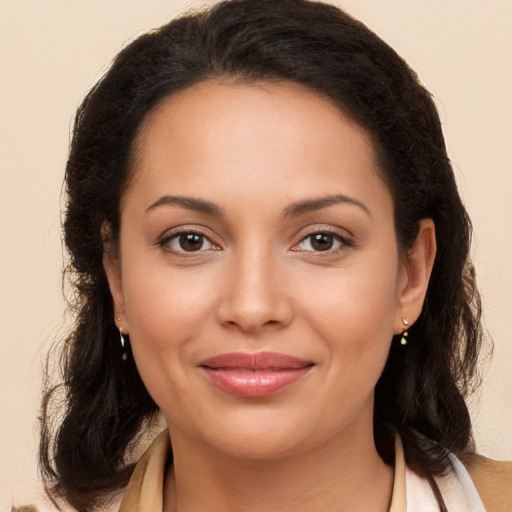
254 375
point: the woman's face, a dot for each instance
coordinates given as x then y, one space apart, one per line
259 277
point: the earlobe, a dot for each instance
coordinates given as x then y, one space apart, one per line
418 268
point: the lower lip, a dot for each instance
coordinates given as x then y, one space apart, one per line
254 384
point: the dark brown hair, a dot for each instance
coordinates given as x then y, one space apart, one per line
422 389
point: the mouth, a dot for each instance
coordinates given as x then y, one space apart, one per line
254 375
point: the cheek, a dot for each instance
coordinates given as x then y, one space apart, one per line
354 311
163 302
361 303
165 312
356 330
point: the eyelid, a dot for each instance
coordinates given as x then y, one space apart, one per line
346 240
164 239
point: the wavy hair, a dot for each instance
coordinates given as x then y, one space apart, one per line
85 452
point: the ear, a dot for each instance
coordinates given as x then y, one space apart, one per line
112 267
415 275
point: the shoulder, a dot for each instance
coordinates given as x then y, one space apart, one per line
493 481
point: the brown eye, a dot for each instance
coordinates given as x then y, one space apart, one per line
322 241
191 242
187 242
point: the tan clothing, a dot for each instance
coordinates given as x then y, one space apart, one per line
145 490
411 493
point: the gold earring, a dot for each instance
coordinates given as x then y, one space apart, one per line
403 340
124 356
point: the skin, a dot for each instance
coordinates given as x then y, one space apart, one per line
257 283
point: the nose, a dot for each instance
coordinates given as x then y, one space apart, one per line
255 295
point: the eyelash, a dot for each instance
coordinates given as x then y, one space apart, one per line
344 242
165 242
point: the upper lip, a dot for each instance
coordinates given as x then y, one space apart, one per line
255 361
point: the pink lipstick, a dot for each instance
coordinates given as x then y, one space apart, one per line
254 375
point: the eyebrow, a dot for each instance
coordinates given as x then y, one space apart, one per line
188 203
313 205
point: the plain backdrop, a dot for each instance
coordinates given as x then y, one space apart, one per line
52 52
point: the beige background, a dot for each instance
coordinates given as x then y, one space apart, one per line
51 52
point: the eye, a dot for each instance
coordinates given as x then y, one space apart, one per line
320 242
187 242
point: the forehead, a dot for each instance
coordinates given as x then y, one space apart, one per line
252 136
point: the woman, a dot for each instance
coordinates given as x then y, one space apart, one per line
268 247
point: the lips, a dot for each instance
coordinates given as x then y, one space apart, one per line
254 375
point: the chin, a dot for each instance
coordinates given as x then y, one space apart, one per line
266 434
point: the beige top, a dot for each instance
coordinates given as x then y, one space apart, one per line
145 489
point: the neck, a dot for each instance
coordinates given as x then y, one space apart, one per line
344 474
